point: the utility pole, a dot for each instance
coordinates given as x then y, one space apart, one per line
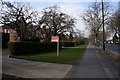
103 26
119 22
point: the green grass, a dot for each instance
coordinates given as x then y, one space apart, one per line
81 46
66 56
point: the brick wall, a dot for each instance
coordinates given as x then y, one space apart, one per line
1 30
13 37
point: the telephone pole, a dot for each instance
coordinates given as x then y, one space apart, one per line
103 26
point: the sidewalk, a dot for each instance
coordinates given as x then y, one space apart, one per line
32 69
94 65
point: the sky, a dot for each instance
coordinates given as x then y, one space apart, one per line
74 8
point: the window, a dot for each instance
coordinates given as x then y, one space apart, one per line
14 31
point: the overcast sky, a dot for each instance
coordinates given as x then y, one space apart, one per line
74 8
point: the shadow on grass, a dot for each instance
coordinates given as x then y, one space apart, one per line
66 56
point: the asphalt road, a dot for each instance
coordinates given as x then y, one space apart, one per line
112 47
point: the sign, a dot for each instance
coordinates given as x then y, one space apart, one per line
54 39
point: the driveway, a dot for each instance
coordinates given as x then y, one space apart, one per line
32 69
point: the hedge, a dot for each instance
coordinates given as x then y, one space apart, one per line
32 40
69 44
25 48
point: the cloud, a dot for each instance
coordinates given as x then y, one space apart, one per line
62 0
75 10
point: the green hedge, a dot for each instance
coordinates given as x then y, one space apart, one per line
32 40
25 48
69 44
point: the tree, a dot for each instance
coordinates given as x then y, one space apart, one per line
93 18
114 23
100 36
18 17
57 21
79 37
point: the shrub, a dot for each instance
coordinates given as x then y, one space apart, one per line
32 40
69 44
25 48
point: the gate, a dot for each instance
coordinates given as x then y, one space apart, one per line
5 39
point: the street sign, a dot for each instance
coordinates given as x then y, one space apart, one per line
54 39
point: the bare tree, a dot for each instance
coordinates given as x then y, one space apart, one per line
78 34
114 23
79 37
93 18
19 17
56 21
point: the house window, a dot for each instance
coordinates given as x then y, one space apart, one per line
14 31
8 31
5 30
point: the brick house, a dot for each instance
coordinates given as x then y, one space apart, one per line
43 33
12 33
46 33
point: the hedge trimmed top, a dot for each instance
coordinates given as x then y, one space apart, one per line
25 48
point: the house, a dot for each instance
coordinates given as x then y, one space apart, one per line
43 33
12 33
115 38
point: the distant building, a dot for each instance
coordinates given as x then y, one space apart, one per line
45 34
12 33
116 39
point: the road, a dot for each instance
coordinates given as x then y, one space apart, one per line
112 47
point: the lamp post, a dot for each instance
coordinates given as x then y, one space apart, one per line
103 26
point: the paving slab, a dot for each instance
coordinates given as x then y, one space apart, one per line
32 69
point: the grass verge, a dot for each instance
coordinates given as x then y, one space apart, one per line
115 58
66 56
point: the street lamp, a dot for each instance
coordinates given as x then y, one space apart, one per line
103 26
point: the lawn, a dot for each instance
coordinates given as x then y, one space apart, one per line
82 46
66 56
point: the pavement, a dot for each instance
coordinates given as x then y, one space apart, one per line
32 69
0 63
94 65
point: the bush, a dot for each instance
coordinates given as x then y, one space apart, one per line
32 40
24 48
69 44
